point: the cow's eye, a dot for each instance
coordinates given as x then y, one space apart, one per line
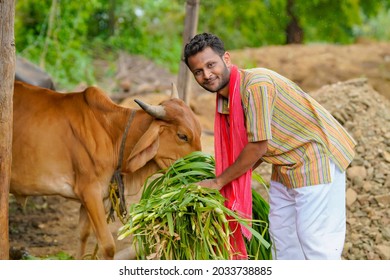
182 137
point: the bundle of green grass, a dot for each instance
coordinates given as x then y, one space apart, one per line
176 219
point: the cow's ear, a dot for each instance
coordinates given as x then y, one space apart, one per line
145 149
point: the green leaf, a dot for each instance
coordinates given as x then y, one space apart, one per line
170 224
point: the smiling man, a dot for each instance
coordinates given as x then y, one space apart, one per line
263 116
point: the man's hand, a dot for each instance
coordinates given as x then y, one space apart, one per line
249 157
210 183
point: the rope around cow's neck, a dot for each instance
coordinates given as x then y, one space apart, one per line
117 188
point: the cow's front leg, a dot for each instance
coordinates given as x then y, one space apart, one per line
85 231
93 203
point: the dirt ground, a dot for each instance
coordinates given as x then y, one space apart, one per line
49 225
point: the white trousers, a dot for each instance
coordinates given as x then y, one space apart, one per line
309 222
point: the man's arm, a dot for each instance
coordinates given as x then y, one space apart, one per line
257 164
248 158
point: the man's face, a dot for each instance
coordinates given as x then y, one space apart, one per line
211 71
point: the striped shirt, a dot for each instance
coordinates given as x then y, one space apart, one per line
302 135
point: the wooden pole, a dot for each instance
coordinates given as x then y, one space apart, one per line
190 28
7 74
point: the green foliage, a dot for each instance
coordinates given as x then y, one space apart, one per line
176 219
64 37
58 256
256 23
52 34
375 27
244 23
260 212
151 28
334 25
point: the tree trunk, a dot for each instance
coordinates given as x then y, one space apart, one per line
294 31
190 28
7 74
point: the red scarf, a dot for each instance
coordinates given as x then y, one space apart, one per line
229 140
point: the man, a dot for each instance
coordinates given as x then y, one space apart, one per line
263 116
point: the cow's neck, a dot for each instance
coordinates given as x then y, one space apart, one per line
119 125
138 127
134 182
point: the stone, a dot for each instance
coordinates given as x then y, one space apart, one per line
367 186
383 251
351 196
383 199
386 156
357 171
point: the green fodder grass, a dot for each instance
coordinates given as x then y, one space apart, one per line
176 219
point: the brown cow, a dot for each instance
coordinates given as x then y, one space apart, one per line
69 145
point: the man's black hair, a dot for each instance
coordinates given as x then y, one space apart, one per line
202 41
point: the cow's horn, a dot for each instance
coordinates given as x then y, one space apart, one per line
156 111
175 93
